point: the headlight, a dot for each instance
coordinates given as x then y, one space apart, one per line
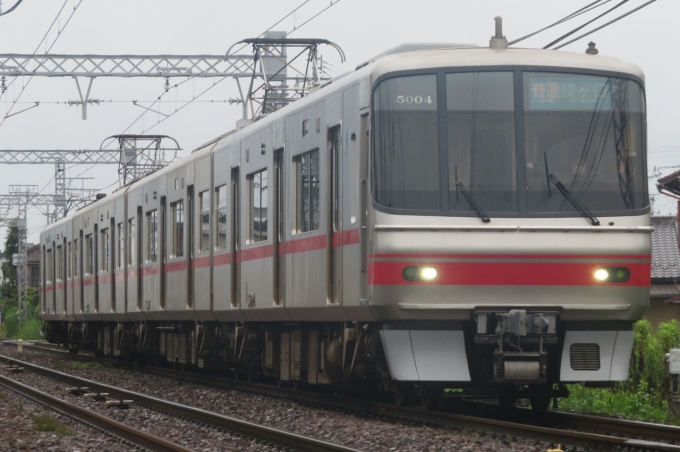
612 274
417 273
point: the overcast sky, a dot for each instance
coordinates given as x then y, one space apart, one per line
362 28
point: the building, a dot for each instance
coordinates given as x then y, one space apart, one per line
33 263
664 291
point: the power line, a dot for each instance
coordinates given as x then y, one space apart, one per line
12 8
605 25
584 25
75 8
576 13
192 77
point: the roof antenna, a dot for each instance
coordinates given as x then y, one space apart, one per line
498 41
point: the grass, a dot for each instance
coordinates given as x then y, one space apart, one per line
65 366
639 405
3 396
50 424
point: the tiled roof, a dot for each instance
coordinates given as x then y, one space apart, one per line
665 252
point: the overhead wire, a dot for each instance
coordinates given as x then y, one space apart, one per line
222 79
12 8
585 24
585 9
605 25
75 8
198 74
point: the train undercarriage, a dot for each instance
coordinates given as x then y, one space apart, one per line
509 356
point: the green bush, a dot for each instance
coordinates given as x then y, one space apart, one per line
643 396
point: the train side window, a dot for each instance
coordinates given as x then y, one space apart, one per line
306 194
177 229
76 255
69 260
131 242
58 264
105 252
89 254
48 266
120 257
221 212
257 212
152 236
204 235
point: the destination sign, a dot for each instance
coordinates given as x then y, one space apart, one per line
569 93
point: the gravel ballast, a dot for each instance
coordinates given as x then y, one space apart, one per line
362 432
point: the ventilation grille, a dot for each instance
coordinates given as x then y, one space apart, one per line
585 356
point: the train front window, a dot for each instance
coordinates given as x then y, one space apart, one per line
481 140
498 135
588 131
406 158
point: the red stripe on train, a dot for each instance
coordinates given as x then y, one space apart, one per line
512 256
506 274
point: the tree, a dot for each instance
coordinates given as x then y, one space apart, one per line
8 269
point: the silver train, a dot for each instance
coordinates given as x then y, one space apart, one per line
444 216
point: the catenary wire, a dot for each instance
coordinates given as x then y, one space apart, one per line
564 36
12 8
605 25
75 8
576 13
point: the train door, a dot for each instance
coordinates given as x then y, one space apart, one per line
139 256
363 203
335 214
95 261
235 238
190 254
79 264
279 231
112 264
162 233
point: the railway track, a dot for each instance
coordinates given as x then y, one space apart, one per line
267 434
110 426
553 427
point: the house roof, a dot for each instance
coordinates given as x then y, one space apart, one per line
665 251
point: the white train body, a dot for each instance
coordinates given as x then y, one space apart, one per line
334 239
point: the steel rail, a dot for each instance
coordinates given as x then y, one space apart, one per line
269 434
107 424
551 428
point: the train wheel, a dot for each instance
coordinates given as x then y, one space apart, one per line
540 397
507 401
402 396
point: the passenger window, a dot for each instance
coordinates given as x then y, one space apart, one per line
257 230
221 207
76 255
48 266
105 254
120 258
131 242
58 264
177 229
204 236
152 236
89 264
69 256
307 185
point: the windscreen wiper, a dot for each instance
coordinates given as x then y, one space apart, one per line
575 202
468 196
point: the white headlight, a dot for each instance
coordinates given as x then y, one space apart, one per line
601 274
428 273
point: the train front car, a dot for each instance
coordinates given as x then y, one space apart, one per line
510 246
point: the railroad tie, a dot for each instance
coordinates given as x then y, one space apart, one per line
78 391
122 404
97 396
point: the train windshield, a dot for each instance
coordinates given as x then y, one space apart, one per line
469 132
